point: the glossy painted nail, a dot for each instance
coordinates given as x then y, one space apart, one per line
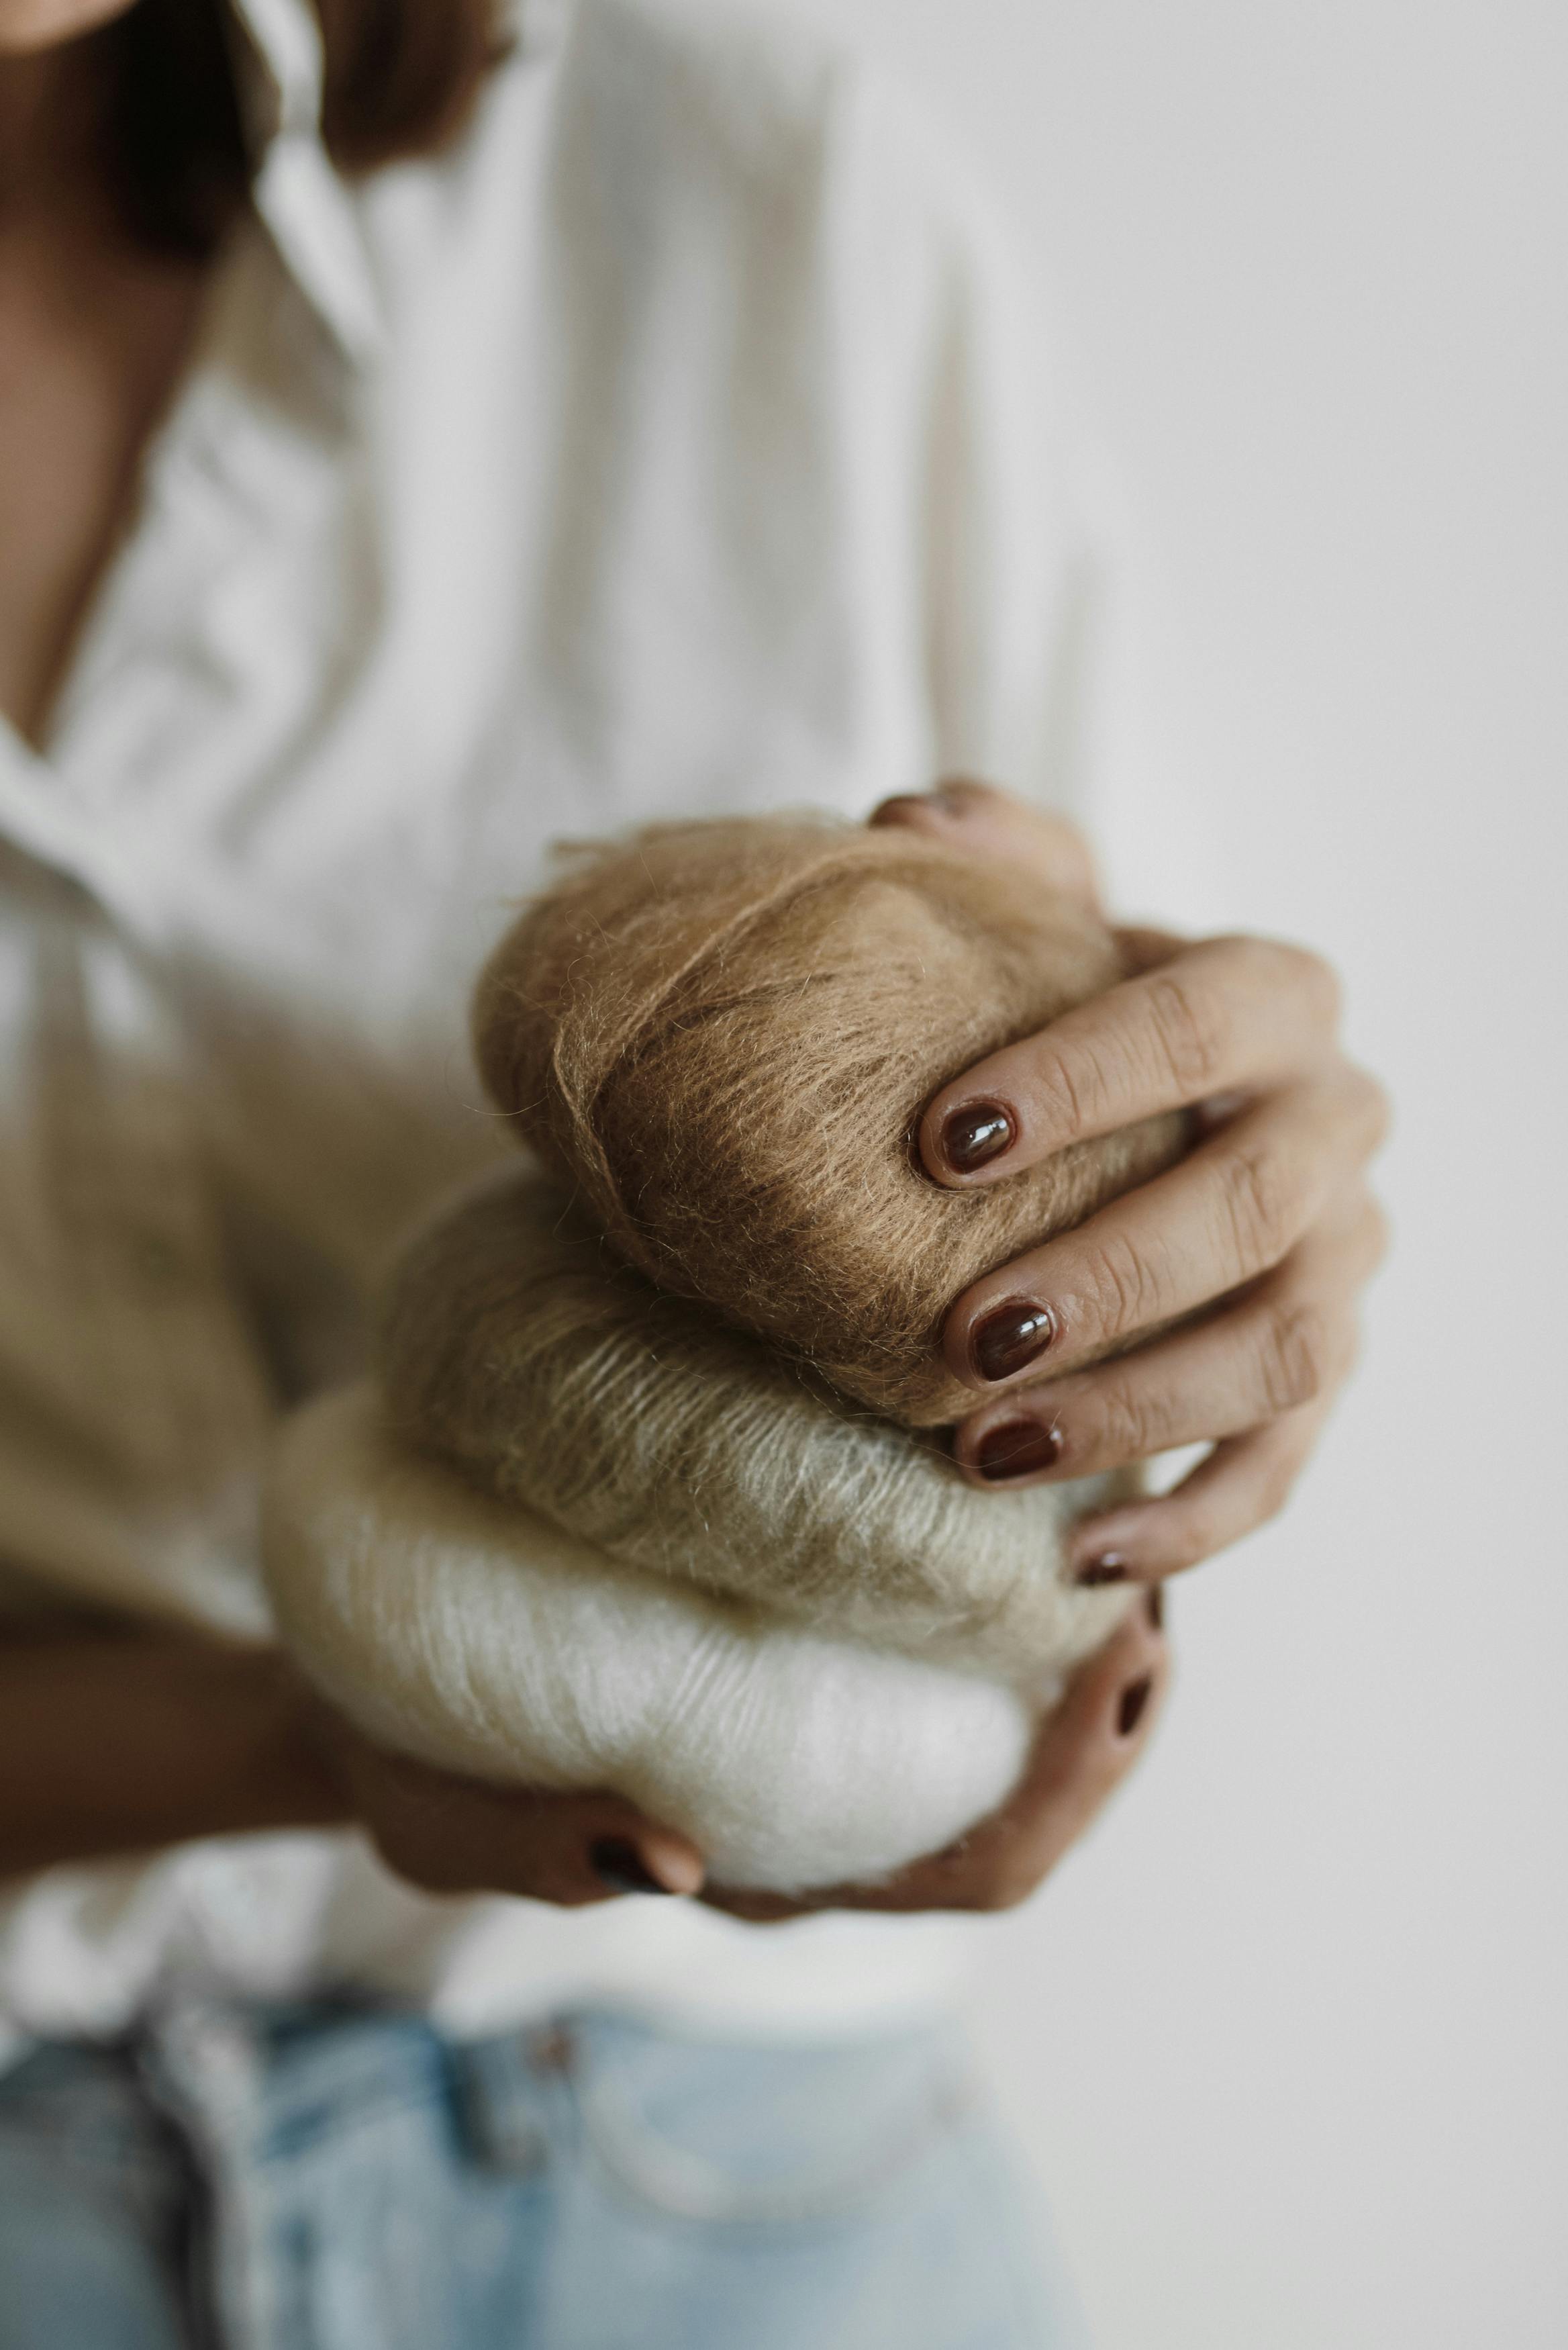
1019 1448
972 1137
1134 1699
1011 1336
1111 1568
616 1863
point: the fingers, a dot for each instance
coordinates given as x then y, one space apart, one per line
1143 946
1224 1014
1242 1485
1283 1343
451 1835
977 820
1233 1208
1084 1750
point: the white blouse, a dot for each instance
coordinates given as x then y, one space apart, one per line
674 443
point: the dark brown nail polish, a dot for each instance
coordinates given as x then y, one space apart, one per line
1013 1335
1017 1448
1134 1699
1154 1601
1111 1568
619 1864
972 1137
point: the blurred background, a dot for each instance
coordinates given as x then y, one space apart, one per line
1288 2039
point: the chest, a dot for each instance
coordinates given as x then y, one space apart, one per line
90 345
376 637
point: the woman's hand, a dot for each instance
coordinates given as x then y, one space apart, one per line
450 1835
1266 1230
123 1739
1085 1750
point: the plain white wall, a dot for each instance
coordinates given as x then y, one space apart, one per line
1288 2038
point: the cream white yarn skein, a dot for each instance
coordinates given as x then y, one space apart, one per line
472 1634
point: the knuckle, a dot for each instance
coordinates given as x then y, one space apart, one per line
1124 1425
1274 1489
1379 1232
1186 1544
1321 984
1073 1088
1297 1356
1189 1035
1192 1527
1376 1110
1309 974
1126 1289
1347 1353
1256 1199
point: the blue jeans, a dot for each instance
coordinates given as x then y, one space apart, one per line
346 2178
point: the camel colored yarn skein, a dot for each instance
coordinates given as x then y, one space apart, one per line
721 1036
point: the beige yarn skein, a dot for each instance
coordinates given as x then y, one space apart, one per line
515 1346
719 1037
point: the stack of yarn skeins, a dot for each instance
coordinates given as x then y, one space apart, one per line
650 1492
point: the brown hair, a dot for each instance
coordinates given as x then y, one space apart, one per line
401 77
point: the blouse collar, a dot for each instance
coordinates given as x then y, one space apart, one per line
306 206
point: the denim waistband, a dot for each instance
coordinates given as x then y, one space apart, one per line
354 2156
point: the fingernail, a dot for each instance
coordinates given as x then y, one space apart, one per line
1134 1699
1112 1567
1017 1448
1154 1602
972 1137
1016 1333
619 1864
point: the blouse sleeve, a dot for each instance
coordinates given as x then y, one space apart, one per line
1033 590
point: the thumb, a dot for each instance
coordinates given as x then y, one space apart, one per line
979 820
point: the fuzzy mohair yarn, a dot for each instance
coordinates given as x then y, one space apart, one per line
469 1632
646 1494
720 1037
516 1347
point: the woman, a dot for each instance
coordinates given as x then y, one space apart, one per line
415 444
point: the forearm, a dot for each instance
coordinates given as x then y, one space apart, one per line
125 1742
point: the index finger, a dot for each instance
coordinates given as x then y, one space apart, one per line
1224 1015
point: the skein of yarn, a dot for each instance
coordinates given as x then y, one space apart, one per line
721 1035
516 1347
474 1635
647 1497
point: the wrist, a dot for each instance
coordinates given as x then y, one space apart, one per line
273 1770
127 1741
